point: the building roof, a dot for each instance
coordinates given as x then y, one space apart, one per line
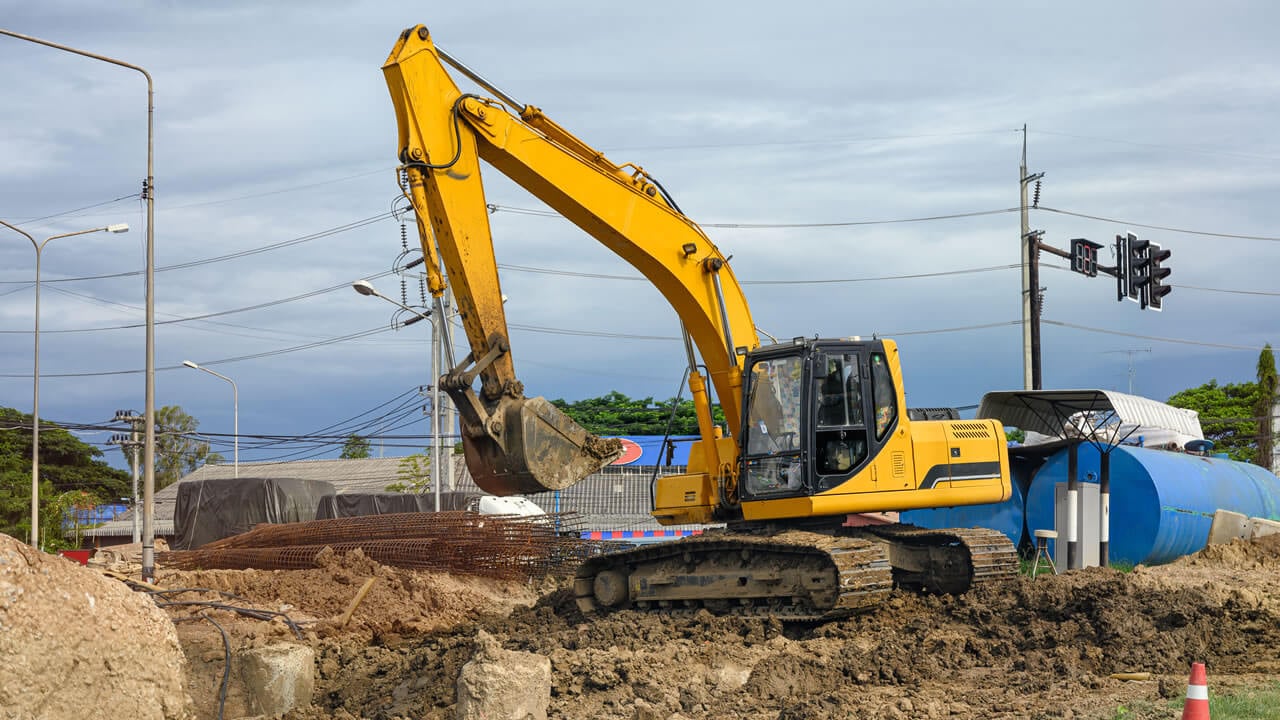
1098 415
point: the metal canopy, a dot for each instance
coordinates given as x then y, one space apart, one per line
1105 417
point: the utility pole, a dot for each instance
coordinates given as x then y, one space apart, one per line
132 442
450 417
1030 242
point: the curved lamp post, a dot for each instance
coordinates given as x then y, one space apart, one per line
439 338
235 400
35 394
149 194
364 287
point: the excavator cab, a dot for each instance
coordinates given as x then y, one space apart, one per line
815 415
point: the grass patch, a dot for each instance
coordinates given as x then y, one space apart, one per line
1024 567
1258 703
1246 704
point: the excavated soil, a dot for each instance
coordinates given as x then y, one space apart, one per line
73 643
1041 648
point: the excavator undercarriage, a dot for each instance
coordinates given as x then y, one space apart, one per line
795 575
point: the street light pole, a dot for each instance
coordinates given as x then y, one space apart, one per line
35 393
235 400
149 194
364 287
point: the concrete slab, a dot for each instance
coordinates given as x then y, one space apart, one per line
1228 526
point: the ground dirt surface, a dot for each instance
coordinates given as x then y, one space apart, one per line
73 643
1025 648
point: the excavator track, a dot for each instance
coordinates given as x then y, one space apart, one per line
793 575
951 560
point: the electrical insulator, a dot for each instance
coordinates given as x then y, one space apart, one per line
1035 201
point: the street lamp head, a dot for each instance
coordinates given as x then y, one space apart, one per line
118 228
191 365
364 287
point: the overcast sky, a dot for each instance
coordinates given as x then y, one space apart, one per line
273 125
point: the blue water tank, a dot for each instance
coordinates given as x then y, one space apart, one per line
1162 502
1007 516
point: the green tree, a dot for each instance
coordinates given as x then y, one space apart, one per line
1266 403
1226 416
70 472
355 447
178 449
414 472
617 414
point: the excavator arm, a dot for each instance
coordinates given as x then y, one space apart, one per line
515 444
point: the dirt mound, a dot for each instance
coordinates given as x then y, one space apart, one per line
1263 552
398 601
75 642
1024 648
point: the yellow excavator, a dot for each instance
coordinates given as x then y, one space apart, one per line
817 429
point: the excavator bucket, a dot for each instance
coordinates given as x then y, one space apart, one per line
532 447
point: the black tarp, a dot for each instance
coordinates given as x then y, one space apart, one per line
208 510
340 505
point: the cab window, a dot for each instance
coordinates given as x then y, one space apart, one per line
772 432
841 435
883 395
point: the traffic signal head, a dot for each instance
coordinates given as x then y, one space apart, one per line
1137 265
1122 267
1157 286
1084 256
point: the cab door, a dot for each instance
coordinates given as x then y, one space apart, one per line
841 444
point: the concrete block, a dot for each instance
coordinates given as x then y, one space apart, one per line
1228 526
1263 527
278 678
500 684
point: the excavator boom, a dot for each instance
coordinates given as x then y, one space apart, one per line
514 444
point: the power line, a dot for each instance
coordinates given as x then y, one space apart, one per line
223 361
206 316
795 143
1055 266
1151 337
1158 146
1149 226
493 208
1223 290
639 278
518 268
291 188
79 209
230 256
914 276
854 223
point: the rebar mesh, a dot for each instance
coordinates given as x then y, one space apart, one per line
458 542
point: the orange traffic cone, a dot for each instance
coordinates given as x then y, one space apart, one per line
1197 705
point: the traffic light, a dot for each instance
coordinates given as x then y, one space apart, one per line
1084 257
1122 270
1156 274
1137 265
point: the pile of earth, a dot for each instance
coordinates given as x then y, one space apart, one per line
1033 648
1041 648
73 642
